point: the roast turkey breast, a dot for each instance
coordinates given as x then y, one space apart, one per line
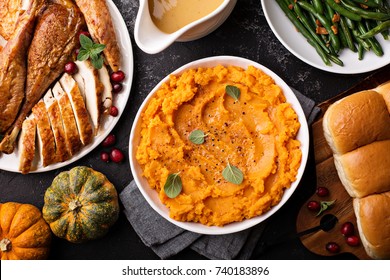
27 145
83 122
92 89
55 117
72 138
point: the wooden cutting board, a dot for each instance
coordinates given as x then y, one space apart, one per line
326 175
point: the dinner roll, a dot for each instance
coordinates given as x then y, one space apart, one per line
366 170
356 120
384 90
373 222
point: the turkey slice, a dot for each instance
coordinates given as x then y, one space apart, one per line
84 126
91 88
54 113
72 138
27 145
46 142
104 77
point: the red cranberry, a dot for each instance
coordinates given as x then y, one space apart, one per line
104 156
322 191
86 33
76 51
314 205
109 141
116 155
114 111
70 68
118 76
116 87
352 240
347 229
332 247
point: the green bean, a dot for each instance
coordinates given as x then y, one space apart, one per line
324 56
317 4
342 11
336 60
375 46
376 30
356 34
348 35
350 23
334 39
363 13
303 31
306 23
360 51
331 14
369 3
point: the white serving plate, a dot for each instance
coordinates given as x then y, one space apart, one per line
11 162
151 195
292 40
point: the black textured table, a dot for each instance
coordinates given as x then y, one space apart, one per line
246 34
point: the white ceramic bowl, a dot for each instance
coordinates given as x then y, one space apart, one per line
152 40
151 195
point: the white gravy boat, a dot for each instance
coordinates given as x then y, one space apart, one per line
152 40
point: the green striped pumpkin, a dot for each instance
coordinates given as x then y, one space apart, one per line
80 205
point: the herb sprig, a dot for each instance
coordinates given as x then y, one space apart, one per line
197 136
233 92
233 174
325 205
173 185
91 50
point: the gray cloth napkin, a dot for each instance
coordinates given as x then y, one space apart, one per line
166 239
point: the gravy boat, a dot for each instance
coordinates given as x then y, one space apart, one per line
152 40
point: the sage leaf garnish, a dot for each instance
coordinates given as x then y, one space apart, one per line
233 91
91 50
173 185
325 205
232 174
197 137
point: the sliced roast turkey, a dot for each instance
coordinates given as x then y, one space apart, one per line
104 77
46 141
83 122
55 117
72 137
27 145
87 78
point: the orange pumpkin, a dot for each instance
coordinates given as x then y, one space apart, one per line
24 234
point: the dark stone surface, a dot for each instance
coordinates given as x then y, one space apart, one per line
246 34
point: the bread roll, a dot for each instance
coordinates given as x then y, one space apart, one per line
373 221
384 90
355 121
366 170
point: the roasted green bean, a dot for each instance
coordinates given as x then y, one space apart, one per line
376 30
364 13
342 11
334 39
332 25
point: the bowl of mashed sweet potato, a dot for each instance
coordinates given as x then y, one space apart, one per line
219 145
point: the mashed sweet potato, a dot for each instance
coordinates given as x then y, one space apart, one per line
256 133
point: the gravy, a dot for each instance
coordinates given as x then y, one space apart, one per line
171 15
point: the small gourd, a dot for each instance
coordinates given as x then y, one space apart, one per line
80 205
24 234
